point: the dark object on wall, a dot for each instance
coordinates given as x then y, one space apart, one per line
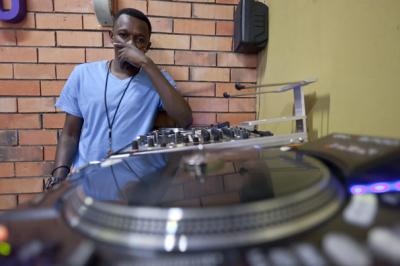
251 27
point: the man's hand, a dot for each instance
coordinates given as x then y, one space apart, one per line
130 54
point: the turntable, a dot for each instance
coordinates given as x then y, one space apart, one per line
221 205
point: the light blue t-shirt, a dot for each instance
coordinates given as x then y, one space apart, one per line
83 96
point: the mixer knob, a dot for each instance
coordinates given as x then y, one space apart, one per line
135 145
150 141
206 135
196 140
216 137
243 134
186 139
163 139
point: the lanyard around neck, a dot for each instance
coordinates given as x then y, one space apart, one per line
111 122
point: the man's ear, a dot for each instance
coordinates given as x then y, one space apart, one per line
111 35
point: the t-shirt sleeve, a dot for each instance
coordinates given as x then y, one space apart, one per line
68 100
171 81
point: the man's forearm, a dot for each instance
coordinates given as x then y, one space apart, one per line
66 150
174 103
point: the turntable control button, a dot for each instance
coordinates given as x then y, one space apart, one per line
391 199
256 257
361 210
309 255
282 256
345 251
385 244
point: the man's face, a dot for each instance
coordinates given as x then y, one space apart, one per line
131 30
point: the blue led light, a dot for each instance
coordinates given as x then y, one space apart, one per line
357 189
375 188
380 187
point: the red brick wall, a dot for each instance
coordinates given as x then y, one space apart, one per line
191 39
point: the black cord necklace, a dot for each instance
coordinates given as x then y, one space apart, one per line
111 123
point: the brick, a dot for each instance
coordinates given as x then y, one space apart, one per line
8 137
173 193
177 72
19 87
189 203
53 120
27 23
25 169
37 137
225 28
78 6
61 55
64 70
7 170
7 37
194 26
90 22
8 105
208 104
243 75
233 2
138 4
6 71
34 71
222 199
204 43
17 54
51 87
42 5
235 182
36 104
8 202
24 198
196 88
107 40
213 11
161 24
169 9
79 38
203 119
209 74
235 118
169 41
21 185
58 21
242 105
96 54
50 153
165 57
17 121
194 189
237 60
20 154
36 38
230 89
195 58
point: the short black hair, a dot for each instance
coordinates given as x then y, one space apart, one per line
133 13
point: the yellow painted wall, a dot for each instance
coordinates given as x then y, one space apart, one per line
352 47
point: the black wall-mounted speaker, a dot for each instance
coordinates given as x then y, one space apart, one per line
251 26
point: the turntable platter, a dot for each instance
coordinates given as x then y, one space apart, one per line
201 200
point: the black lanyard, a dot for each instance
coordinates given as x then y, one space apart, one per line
111 123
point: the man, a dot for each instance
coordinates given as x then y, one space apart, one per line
109 103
